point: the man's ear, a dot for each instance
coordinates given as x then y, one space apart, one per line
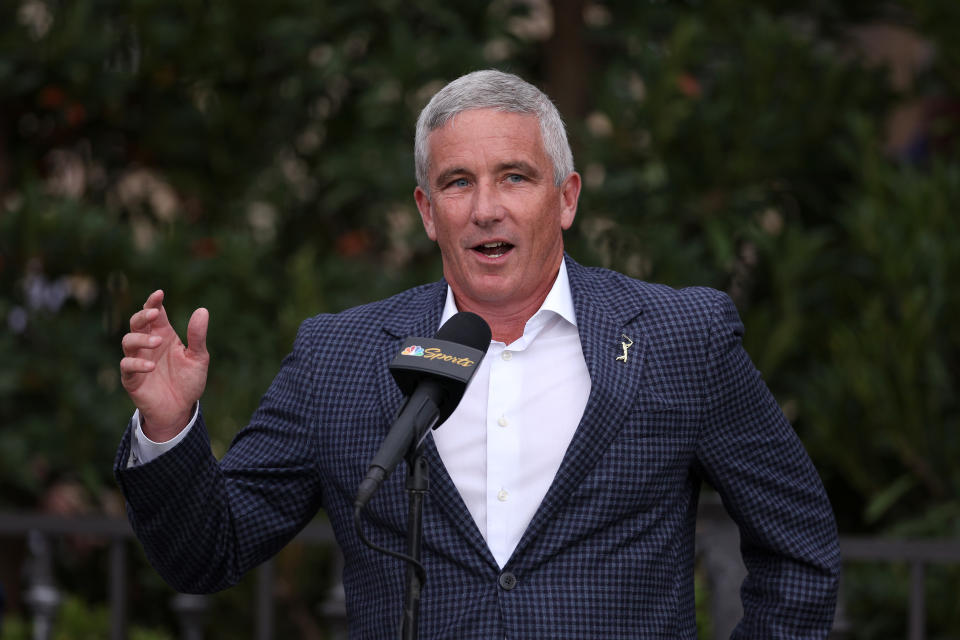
426 212
569 195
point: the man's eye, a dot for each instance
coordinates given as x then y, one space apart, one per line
460 183
515 178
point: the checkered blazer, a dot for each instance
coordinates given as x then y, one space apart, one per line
609 553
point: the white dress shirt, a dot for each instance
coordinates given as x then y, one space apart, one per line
505 441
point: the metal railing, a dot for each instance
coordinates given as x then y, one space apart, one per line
43 597
717 551
918 554
718 548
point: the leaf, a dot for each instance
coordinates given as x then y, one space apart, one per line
882 502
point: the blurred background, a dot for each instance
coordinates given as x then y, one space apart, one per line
256 159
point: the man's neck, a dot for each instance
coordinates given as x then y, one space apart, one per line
507 322
505 328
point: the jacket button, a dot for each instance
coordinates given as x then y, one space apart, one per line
508 580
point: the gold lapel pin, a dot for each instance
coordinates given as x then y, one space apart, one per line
626 345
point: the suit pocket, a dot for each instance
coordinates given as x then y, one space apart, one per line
652 416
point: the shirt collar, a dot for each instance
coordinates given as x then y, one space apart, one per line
559 301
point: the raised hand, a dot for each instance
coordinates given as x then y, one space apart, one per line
163 377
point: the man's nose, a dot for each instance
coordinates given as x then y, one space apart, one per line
487 206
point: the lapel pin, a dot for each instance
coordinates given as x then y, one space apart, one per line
626 345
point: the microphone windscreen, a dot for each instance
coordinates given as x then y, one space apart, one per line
467 329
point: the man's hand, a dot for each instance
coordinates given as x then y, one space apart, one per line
163 377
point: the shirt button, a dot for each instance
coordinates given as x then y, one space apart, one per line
502 495
507 355
502 421
507 580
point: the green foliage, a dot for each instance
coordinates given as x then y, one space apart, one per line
703 599
15 629
743 149
889 367
78 620
877 600
254 159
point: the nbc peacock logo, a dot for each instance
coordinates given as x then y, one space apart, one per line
412 350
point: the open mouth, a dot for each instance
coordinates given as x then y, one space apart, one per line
493 249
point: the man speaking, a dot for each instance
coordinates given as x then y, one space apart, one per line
564 489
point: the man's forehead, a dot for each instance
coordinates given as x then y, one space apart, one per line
518 131
488 113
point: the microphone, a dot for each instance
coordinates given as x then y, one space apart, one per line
433 373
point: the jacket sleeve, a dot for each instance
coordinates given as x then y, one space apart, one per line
753 458
204 523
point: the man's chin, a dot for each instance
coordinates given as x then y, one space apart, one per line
490 291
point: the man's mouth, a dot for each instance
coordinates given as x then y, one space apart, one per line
493 249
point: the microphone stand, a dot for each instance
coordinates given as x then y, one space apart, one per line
418 483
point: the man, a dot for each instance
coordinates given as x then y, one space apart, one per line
564 487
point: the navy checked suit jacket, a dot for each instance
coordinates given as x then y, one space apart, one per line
609 553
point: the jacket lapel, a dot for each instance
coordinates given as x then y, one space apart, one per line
424 320
605 322
418 316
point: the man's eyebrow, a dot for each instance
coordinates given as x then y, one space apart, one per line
449 174
519 165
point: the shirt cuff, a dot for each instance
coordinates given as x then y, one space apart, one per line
143 449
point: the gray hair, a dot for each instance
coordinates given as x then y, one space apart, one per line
492 89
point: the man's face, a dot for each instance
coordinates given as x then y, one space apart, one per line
495 211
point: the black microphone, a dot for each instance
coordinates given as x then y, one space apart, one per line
434 373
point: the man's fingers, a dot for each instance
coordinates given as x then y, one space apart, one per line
197 332
140 321
130 366
152 311
154 300
133 342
